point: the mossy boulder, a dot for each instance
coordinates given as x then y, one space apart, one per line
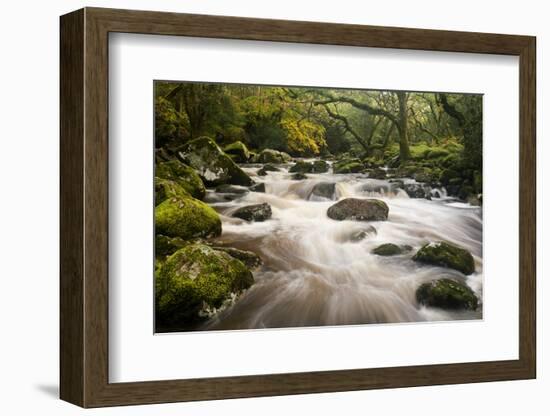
390 249
166 188
298 176
325 190
319 166
301 167
348 166
194 282
249 258
272 156
446 255
256 213
165 246
186 217
183 175
238 152
359 210
212 164
447 294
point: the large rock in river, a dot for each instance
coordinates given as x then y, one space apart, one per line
194 282
183 175
165 188
186 217
325 190
272 156
212 164
446 255
257 212
359 210
238 152
447 294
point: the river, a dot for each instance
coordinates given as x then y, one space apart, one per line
316 271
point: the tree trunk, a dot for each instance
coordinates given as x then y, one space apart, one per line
403 126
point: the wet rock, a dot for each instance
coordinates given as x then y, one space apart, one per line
360 235
301 167
257 212
446 255
447 294
238 152
390 249
231 189
267 168
186 217
416 190
249 258
323 190
259 187
298 177
193 282
272 156
319 166
183 175
212 164
377 173
359 210
165 246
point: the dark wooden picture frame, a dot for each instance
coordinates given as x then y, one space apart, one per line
84 207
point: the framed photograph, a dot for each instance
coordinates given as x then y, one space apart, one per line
256 207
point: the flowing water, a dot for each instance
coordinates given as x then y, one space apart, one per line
315 270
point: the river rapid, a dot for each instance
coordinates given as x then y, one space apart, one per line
316 271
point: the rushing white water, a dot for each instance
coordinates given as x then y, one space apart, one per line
316 273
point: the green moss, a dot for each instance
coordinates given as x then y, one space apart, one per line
447 294
165 246
319 166
183 175
165 188
301 167
212 164
390 249
238 152
446 255
348 166
193 279
187 218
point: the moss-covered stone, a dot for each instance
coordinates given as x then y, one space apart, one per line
183 175
319 166
447 294
249 258
348 166
212 164
301 167
446 255
166 188
187 218
272 156
165 246
195 280
238 152
359 210
390 249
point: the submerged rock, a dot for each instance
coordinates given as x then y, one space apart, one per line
390 249
272 156
298 177
447 294
249 258
446 255
360 235
212 164
359 210
257 212
325 190
183 175
417 190
238 152
186 217
231 189
259 187
195 280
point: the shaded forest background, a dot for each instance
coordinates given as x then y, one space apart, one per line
438 133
